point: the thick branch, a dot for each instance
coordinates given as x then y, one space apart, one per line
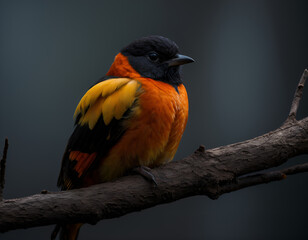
211 172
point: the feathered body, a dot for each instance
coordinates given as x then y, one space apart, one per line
134 116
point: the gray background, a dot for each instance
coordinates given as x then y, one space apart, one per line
249 57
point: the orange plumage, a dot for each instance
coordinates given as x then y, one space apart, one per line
135 116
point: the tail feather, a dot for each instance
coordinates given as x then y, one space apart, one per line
67 232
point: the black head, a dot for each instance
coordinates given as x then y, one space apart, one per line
156 57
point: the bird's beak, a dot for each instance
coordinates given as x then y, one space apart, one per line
179 60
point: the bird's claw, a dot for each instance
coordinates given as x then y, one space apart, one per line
146 173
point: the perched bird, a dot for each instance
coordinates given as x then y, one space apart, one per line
133 117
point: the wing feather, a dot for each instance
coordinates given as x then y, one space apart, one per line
110 98
99 125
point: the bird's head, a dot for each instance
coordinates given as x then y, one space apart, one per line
153 57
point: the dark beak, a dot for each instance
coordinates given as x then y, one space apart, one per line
179 60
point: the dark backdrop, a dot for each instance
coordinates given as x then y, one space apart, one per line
249 57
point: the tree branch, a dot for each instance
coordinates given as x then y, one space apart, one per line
210 172
297 96
261 178
2 167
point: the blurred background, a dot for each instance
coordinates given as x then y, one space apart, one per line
249 58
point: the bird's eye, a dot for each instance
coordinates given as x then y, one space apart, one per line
153 56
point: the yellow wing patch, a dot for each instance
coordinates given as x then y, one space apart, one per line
110 98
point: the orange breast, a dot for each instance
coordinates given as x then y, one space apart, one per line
153 133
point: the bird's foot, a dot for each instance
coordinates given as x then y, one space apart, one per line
146 173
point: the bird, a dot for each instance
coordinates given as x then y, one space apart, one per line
132 118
